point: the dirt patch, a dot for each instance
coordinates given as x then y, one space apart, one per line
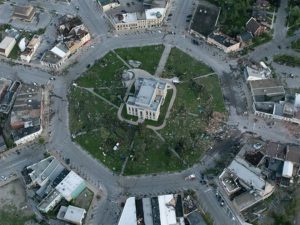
215 122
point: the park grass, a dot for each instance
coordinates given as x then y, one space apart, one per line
87 110
184 66
213 89
151 155
105 77
262 39
98 128
84 200
287 60
149 56
295 45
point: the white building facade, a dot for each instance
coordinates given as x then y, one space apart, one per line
150 95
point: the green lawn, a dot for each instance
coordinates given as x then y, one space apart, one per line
296 45
84 200
294 16
149 56
264 38
105 77
10 215
151 155
184 66
287 60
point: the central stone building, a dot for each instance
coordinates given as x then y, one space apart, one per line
149 96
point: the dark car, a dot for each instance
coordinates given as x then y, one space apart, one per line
195 42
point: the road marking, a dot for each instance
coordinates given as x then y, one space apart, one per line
207 190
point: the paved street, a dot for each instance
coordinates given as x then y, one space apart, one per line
111 186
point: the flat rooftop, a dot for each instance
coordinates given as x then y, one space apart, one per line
50 57
141 9
267 87
205 19
249 177
6 42
222 39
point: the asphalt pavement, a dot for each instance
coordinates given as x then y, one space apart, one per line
114 187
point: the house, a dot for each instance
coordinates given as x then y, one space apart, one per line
25 13
255 28
72 33
150 95
71 214
204 20
245 38
262 4
7 45
223 42
31 48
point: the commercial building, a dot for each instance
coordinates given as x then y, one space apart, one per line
25 13
50 201
52 182
44 171
223 42
71 214
255 72
7 45
56 56
161 210
142 15
150 95
71 186
242 175
270 101
267 90
8 93
26 115
31 48
204 20
108 4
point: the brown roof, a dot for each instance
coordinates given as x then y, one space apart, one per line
252 25
293 154
275 150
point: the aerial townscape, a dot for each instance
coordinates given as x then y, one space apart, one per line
150 112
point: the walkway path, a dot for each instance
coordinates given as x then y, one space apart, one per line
163 60
206 75
119 57
91 90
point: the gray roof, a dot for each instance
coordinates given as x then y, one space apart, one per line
249 177
205 19
146 93
268 87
